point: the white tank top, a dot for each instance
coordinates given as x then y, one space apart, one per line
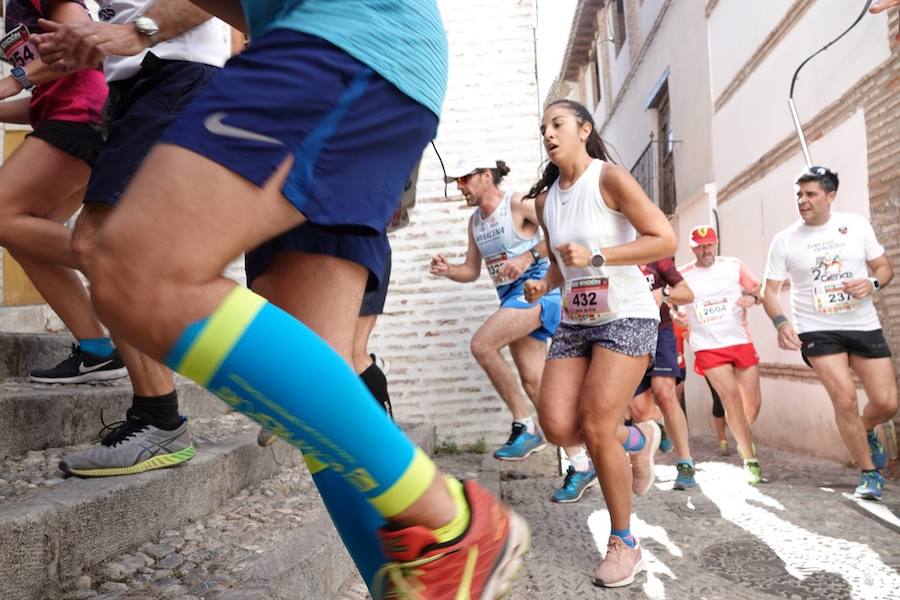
593 296
498 240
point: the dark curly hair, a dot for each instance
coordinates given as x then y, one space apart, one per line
595 147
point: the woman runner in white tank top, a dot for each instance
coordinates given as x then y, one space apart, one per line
599 225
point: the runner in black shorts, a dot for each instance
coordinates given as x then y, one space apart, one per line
827 256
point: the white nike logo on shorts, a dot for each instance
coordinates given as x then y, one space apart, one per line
214 125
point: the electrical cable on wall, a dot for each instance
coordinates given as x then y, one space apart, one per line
797 124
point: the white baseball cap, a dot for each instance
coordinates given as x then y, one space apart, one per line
468 165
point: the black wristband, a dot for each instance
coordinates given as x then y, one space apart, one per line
779 321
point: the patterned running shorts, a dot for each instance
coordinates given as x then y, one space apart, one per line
634 337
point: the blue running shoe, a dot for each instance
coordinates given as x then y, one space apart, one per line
871 484
574 485
879 454
520 444
685 478
665 442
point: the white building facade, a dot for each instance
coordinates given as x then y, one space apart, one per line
710 82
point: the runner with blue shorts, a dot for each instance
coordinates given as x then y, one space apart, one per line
320 120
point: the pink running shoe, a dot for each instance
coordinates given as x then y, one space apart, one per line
621 564
642 474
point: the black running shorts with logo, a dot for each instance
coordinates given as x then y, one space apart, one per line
867 344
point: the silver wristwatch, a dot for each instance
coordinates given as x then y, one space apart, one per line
147 26
597 258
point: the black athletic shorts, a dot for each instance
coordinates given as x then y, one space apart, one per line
868 344
81 140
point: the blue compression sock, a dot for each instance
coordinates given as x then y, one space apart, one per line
268 365
98 346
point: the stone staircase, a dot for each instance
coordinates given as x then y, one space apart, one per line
58 533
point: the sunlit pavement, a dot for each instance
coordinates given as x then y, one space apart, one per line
800 535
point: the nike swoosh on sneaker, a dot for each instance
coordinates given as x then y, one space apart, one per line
214 124
82 368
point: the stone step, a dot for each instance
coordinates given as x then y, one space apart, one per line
313 562
35 416
273 540
51 527
22 352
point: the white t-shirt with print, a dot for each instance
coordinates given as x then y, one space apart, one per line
818 260
209 43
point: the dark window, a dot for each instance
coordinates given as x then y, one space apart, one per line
595 78
619 24
666 151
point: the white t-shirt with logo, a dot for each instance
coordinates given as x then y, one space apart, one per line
208 43
714 317
818 260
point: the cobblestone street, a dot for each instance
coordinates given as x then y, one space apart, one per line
798 536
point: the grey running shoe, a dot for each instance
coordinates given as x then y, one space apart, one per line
134 446
82 367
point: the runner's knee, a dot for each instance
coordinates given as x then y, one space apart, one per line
561 432
481 350
845 402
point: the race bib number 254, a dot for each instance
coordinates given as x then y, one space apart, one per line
17 48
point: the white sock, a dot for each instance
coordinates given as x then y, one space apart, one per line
581 461
528 422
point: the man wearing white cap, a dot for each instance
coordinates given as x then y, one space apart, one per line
504 234
827 257
724 288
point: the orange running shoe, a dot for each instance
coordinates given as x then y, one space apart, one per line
481 564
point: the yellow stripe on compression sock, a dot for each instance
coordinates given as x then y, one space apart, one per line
408 488
458 525
220 334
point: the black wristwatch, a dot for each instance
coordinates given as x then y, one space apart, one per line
535 254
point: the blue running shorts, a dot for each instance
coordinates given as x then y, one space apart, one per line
551 304
293 94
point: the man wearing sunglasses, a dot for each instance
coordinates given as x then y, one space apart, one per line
503 232
827 257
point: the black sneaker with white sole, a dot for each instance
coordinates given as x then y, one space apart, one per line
82 367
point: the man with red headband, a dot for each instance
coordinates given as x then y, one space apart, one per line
724 289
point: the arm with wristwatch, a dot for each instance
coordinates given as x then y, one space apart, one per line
70 47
